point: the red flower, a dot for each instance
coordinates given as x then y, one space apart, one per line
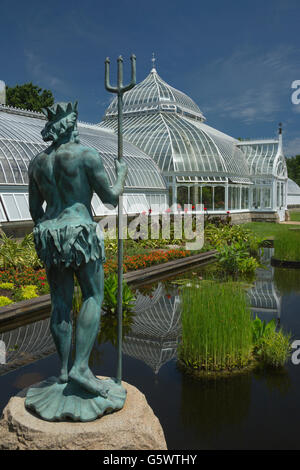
205 208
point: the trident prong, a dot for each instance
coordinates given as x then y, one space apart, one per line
120 90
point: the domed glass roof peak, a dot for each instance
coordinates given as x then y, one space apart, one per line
154 94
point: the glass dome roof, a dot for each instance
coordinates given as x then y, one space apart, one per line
167 125
152 94
181 145
293 188
20 140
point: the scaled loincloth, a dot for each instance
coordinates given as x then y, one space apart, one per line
70 245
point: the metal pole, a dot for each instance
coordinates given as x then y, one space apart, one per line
120 90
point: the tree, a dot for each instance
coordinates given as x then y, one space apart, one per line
293 167
28 96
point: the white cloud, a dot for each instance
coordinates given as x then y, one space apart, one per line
249 84
292 147
39 71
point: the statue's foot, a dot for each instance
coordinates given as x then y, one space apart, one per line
86 379
64 376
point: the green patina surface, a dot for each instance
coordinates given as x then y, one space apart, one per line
66 175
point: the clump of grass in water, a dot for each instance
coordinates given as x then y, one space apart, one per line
287 246
216 327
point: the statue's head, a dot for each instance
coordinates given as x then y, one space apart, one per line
62 119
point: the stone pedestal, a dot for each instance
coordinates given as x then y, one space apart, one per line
135 427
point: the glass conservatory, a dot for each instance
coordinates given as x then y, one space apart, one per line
200 164
174 158
20 140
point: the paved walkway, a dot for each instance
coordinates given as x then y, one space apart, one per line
290 222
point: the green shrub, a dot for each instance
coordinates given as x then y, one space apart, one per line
109 304
228 235
7 285
216 326
4 301
235 259
18 254
25 293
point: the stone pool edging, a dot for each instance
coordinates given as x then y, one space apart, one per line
281 263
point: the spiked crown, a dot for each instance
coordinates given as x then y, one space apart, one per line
59 110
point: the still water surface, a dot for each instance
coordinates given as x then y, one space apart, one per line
250 411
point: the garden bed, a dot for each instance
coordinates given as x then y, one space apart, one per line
40 307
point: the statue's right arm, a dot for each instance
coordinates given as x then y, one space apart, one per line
99 181
35 198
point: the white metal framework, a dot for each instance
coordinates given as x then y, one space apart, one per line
200 164
173 157
20 140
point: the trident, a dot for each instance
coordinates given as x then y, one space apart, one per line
120 90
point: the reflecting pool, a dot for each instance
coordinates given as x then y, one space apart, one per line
256 410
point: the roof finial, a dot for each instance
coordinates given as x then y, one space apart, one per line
153 60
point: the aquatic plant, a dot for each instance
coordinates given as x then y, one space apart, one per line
109 304
274 348
216 327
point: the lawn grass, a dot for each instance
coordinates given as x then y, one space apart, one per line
295 216
287 246
267 229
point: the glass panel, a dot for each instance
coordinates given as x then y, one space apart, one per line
195 195
182 196
170 195
2 215
278 194
207 197
232 197
245 198
256 198
11 207
219 202
23 206
266 198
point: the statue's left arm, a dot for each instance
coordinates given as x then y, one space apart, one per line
35 199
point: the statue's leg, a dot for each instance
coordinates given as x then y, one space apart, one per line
61 284
91 280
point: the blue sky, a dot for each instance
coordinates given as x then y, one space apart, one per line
236 59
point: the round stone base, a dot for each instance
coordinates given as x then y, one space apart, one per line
134 427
